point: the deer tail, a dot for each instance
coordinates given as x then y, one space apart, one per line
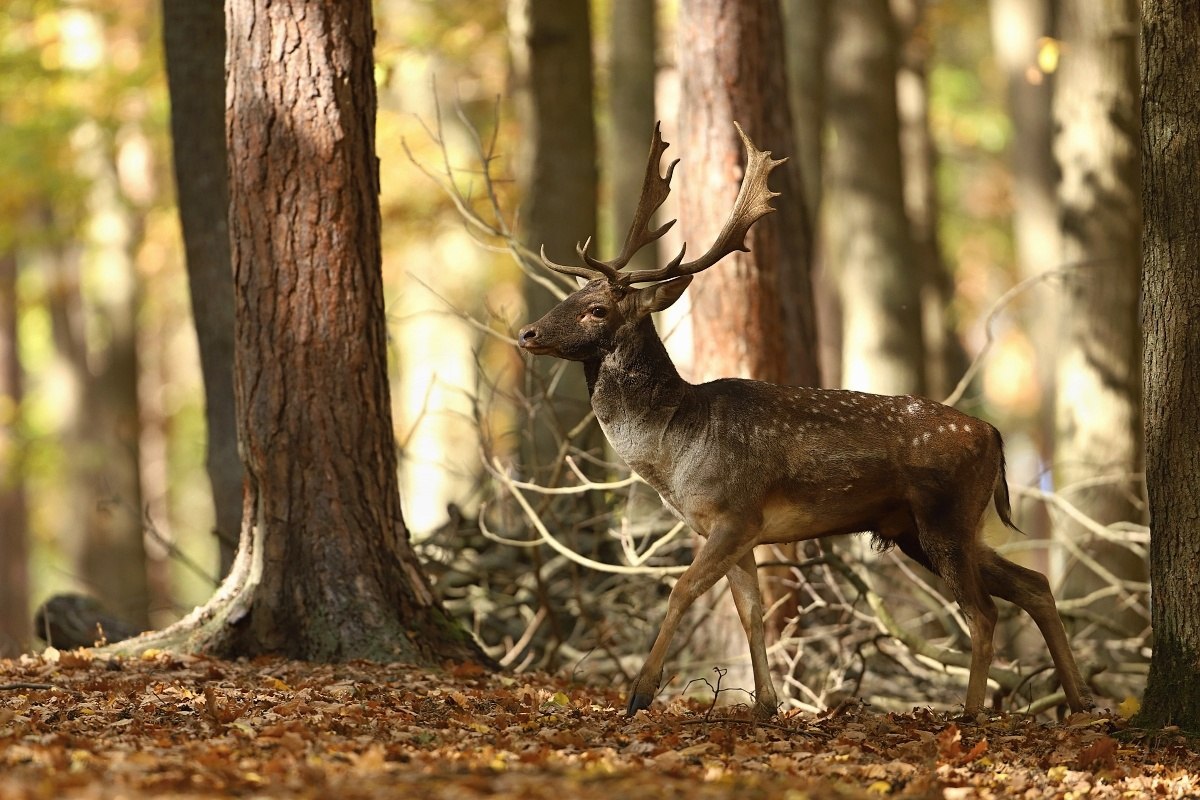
1000 492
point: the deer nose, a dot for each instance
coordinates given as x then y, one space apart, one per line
527 335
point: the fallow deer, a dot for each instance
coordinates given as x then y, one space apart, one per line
746 463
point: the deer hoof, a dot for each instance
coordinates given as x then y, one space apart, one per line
638 701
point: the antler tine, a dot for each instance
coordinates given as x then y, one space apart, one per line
587 273
655 189
752 204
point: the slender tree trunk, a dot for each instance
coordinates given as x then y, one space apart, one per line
194 41
806 34
1171 291
632 70
1098 403
15 632
325 569
945 359
1018 28
552 70
882 348
752 316
110 553
806 38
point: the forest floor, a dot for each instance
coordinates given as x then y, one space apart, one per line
77 725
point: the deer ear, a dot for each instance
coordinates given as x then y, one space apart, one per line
661 295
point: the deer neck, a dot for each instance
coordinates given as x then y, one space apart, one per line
635 390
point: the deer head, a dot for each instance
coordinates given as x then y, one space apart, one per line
590 322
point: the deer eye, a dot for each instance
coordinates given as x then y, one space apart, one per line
598 312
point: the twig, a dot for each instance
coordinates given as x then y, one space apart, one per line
22 685
497 471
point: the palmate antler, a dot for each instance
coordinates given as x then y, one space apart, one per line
753 202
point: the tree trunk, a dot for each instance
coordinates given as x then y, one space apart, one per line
945 359
552 66
109 551
752 315
194 42
1098 399
806 37
806 33
14 515
882 348
632 69
1018 28
325 569
1171 290
765 296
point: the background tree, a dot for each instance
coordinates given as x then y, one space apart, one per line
325 569
1171 292
551 46
1027 57
632 72
945 360
882 346
14 531
108 549
194 43
1098 443
806 33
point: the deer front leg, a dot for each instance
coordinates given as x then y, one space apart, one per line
747 596
726 544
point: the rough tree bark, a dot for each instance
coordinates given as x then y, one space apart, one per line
1171 288
752 315
1098 413
765 296
194 43
882 346
15 632
325 569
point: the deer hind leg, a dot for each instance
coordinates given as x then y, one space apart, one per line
743 585
1029 590
726 544
951 549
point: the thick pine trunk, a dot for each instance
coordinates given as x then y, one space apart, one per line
194 42
752 315
325 570
1098 398
1171 296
